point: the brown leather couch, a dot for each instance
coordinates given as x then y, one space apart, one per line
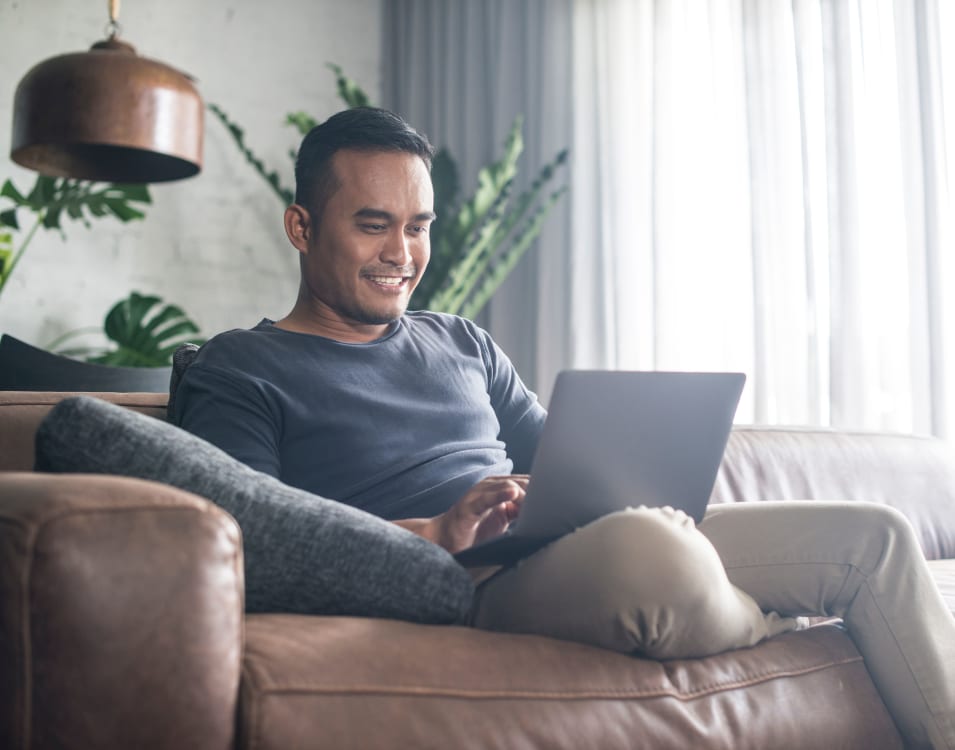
122 626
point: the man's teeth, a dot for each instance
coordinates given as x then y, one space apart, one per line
390 280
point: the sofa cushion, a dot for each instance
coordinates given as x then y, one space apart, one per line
303 553
308 682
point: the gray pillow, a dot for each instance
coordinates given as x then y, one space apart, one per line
303 553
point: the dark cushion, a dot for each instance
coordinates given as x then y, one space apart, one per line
181 359
24 367
303 553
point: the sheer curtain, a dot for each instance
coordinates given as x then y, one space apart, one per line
757 185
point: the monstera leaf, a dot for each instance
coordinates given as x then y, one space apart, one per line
51 201
145 332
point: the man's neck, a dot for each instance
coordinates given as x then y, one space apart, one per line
332 328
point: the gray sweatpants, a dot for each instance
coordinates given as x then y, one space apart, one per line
648 581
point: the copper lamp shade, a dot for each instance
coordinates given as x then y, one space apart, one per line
108 115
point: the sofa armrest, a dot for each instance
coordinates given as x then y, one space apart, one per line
121 614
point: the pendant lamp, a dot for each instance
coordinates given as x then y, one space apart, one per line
108 115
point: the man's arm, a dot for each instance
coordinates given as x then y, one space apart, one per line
519 413
231 415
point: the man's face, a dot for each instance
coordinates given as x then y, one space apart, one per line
367 251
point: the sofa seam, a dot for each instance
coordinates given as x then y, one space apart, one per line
710 689
251 722
26 629
835 432
53 400
59 515
238 563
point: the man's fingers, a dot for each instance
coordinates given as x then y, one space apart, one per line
517 480
512 510
488 494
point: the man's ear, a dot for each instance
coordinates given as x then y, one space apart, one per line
298 227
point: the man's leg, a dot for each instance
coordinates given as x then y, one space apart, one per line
860 562
637 581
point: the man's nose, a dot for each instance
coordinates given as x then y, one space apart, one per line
397 249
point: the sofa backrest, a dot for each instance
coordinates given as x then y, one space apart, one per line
22 411
912 473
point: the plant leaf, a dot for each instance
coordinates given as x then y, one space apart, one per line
97 207
9 191
348 91
131 192
490 281
122 210
53 199
6 253
43 191
286 195
454 253
301 121
475 252
9 219
444 178
51 219
146 332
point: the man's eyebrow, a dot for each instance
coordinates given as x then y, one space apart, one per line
377 213
373 213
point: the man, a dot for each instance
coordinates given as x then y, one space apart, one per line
420 418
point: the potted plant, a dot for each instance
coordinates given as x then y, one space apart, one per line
142 330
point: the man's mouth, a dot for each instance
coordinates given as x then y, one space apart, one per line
389 280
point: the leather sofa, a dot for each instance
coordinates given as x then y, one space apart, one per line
122 626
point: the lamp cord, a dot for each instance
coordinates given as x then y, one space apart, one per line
113 28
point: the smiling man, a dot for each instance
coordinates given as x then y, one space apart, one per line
364 258
419 418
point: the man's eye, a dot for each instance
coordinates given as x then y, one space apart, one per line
373 227
419 229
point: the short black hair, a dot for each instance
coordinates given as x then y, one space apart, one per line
361 129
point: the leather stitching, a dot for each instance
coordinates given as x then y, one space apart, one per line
409 690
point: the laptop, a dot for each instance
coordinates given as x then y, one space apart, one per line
614 440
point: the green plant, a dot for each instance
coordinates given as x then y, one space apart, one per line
145 333
53 199
476 242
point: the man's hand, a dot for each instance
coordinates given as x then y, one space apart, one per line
483 513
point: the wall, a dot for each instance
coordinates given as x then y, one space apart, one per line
213 244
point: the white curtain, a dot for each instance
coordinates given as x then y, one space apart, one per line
757 185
